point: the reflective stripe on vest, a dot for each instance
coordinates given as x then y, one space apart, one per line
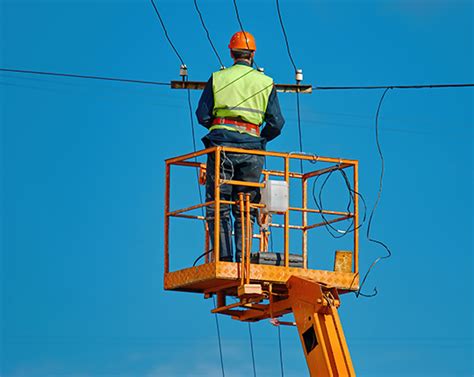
241 92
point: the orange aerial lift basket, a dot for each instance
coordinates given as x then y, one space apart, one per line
279 288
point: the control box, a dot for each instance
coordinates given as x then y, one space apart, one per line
275 196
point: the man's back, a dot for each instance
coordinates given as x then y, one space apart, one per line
240 91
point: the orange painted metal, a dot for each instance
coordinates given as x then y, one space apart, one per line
167 218
244 238
323 223
356 218
325 211
241 183
248 239
196 217
304 220
187 209
275 173
324 345
222 273
286 236
206 243
341 165
217 205
212 277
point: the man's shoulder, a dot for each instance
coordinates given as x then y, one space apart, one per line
244 72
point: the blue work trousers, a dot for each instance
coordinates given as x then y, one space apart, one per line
240 167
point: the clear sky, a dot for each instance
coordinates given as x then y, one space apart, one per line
82 182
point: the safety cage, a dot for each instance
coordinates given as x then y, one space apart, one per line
212 275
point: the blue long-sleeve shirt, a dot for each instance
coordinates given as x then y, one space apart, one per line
274 122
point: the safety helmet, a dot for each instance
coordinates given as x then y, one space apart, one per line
242 40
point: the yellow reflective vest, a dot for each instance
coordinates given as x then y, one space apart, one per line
240 92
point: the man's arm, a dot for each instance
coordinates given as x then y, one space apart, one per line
273 118
206 105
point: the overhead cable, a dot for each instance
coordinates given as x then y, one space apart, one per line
149 82
219 338
422 86
281 352
207 33
193 134
85 77
242 28
300 132
166 33
372 212
298 74
184 69
284 34
251 349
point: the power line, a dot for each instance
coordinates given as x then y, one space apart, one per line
379 194
281 352
85 77
300 132
207 33
284 34
188 91
298 112
166 33
423 86
242 28
240 22
191 119
149 82
219 339
251 349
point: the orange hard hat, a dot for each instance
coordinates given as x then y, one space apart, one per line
242 40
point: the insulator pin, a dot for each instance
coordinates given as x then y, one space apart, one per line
183 70
299 75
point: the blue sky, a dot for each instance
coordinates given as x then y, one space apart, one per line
82 182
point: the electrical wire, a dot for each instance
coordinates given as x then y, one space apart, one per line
188 98
423 86
219 338
242 28
379 194
352 193
300 132
202 255
295 69
191 118
166 33
285 35
161 83
85 76
207 33
281 352
251 349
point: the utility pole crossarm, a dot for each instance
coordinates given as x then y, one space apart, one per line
284 88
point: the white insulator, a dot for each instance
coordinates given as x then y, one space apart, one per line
261 69
299 75
183 70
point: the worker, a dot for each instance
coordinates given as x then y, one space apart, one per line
233 107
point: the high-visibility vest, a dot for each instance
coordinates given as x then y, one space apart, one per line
240 92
